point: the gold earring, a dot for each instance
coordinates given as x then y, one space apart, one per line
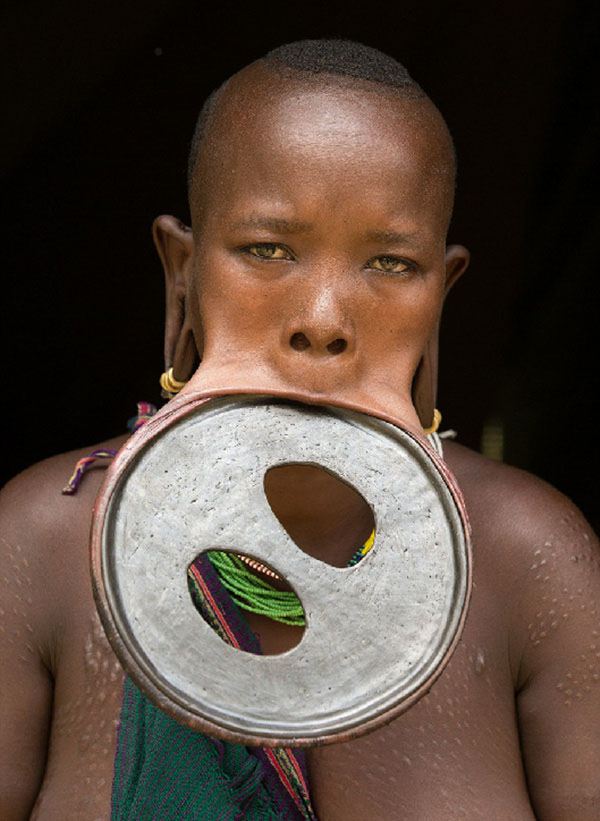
437 418
170 386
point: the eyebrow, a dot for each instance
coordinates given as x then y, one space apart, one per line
391 237
276 224
280 225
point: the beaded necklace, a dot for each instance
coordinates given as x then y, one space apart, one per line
257 595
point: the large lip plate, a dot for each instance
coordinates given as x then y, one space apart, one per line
381 676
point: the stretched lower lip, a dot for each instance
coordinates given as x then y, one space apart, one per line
321 377
330 380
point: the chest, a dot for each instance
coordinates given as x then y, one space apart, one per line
457 747
454 754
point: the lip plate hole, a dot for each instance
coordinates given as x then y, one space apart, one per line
264 636
325 516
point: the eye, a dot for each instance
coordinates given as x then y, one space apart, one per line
269 250
391 265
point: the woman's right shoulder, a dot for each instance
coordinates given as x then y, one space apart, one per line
36 519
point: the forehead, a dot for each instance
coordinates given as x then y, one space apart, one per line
270 133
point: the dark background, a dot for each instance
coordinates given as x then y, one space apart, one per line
100 100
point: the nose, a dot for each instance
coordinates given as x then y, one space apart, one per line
321 325
299 341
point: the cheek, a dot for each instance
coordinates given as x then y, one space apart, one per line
232 304
406 314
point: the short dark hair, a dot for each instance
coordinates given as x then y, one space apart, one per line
344 58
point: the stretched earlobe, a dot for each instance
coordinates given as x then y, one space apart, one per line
424 386
183 336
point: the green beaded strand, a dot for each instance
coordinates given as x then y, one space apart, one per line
254 594
258 596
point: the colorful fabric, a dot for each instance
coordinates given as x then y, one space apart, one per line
145 411
163 770
167 772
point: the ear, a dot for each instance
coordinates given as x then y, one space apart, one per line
424 387
175 246
457 261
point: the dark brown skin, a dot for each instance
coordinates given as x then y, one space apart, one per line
511 730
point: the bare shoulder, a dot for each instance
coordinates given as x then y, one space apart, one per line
533 546
514 505
43 534
32 504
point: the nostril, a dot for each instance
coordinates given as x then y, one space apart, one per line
337 346
299 342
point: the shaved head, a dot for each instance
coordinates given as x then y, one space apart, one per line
330 65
